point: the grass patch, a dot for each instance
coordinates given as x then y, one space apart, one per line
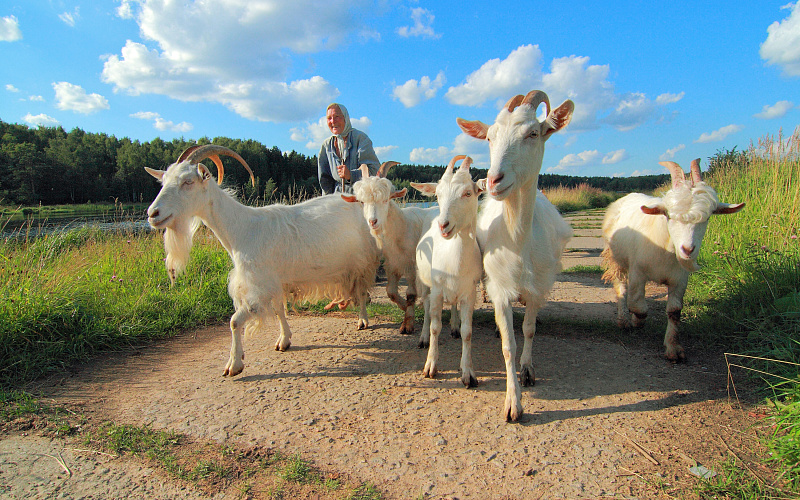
582 197
583 269
215 469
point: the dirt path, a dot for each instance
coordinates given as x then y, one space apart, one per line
356 402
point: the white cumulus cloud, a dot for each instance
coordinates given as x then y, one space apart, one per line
777 110
719 134
782 46
413 92
385 152
235 53
572 77
9 29
575 160
615 157
72 97
40 120
430 156
518 73
670 153
423 21
11 88
162 124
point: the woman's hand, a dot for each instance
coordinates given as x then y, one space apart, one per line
344 172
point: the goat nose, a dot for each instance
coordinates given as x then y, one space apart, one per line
687 250
373 222
493 180
443 226
153 213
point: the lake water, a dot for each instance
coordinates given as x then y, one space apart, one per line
33 228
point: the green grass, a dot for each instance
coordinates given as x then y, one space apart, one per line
68 295
745 299
583 269
582 197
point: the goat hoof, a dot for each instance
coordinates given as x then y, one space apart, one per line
404 330
512 412
423 344
429 371
470 381
455 333
527 377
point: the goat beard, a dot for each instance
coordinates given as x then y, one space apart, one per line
178 244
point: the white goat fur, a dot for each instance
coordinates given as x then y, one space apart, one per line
658 239
318 248
449 262
396 231
521 234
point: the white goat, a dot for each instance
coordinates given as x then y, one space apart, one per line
641 248
396 231
449 261
521 234
316 248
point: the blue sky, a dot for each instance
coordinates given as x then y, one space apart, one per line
651 81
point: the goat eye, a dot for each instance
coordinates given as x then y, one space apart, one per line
467 194
534 133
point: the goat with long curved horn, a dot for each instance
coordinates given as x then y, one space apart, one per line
196 154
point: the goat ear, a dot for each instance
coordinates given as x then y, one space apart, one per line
726 208
473 128
398 194
480 185
426 188
654 209
558 118
158 174
203 172
349 198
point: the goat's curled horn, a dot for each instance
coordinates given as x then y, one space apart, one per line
535 98
196 154
385 166
453 162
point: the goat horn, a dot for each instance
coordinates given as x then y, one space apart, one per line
212 151
385 166
186 152
467 162
696 177
513 103
535 98
453 163
364 171
675 170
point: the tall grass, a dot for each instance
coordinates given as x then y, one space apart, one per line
746 295
581 197
69 294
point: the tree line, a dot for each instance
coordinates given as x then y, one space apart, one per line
50 166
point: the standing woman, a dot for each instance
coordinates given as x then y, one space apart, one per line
343 152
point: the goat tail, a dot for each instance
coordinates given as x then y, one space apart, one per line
612 272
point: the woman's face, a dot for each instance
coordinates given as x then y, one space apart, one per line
335 120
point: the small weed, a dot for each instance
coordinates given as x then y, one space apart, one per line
365 492
297 470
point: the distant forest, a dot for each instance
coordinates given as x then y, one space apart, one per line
50 166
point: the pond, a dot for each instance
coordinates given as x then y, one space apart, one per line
33 228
